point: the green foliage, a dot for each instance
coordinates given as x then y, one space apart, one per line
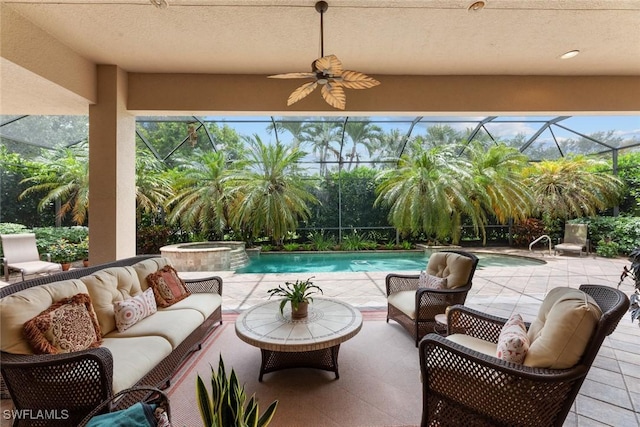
623 230
290 247
297 292
227 405
356 242
267 248
608 249
629 173
65 252
321 242
12 228
152 237
406 245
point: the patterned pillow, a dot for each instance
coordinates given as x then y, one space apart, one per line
513 342
68 325
430 281
132 310
167 287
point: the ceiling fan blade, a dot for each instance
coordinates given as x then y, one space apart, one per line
292 76
334 95
329 65
301 92
357 80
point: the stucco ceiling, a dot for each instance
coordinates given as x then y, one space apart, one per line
419 37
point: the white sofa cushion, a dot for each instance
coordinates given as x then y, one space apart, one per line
148 266
134 357
19 307
172 325
108 286
205 303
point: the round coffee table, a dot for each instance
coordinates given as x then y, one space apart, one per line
312 342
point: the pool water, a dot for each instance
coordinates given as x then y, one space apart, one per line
363 261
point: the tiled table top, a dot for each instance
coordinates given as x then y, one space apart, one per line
330 322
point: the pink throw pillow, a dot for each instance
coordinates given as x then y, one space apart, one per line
513 342
430 281
132 310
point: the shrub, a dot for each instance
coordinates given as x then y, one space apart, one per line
608 249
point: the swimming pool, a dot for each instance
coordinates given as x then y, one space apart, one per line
363 261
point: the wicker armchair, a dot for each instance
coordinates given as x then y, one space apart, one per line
415 308
465 387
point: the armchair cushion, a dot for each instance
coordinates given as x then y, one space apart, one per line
560 334
455 267
513 342
68 325
405 301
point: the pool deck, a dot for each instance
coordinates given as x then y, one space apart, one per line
610 395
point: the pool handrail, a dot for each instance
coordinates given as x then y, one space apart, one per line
544 236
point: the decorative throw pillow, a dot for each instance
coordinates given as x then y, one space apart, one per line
132 310
430 281
513 342
167 287
68 325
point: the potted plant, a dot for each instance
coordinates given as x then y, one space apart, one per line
226 405
298 293
64 253
83 251
634 272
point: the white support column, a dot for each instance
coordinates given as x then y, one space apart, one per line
112 214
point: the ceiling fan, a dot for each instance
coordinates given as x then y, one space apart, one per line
327 72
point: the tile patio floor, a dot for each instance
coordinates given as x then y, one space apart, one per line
610 395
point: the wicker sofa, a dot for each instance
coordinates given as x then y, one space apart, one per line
148 353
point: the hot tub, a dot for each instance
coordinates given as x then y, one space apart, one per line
206 256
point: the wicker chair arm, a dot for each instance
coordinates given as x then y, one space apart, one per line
430 302
463 378
211 284
71 382
401 282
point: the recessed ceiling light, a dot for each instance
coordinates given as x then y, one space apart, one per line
476 6
569 54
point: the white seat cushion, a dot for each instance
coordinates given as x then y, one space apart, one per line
405 301
482 346
134 357
205 303
172 325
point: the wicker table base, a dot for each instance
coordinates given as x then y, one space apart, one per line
325 359
312 342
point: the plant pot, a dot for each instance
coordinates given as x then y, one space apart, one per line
85 262
65 266
301 312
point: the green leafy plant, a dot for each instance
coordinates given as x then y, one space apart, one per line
290 247
64 252
297 292
225 407
633 272
608 248
321 241
354 242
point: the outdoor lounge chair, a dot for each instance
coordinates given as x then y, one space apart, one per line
20 254
465 386
415 307
575 240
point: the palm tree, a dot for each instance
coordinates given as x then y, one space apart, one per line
64 176
269 196
202 196
297 128
153 184
427 192
498 188
361 133
572 187
322 136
